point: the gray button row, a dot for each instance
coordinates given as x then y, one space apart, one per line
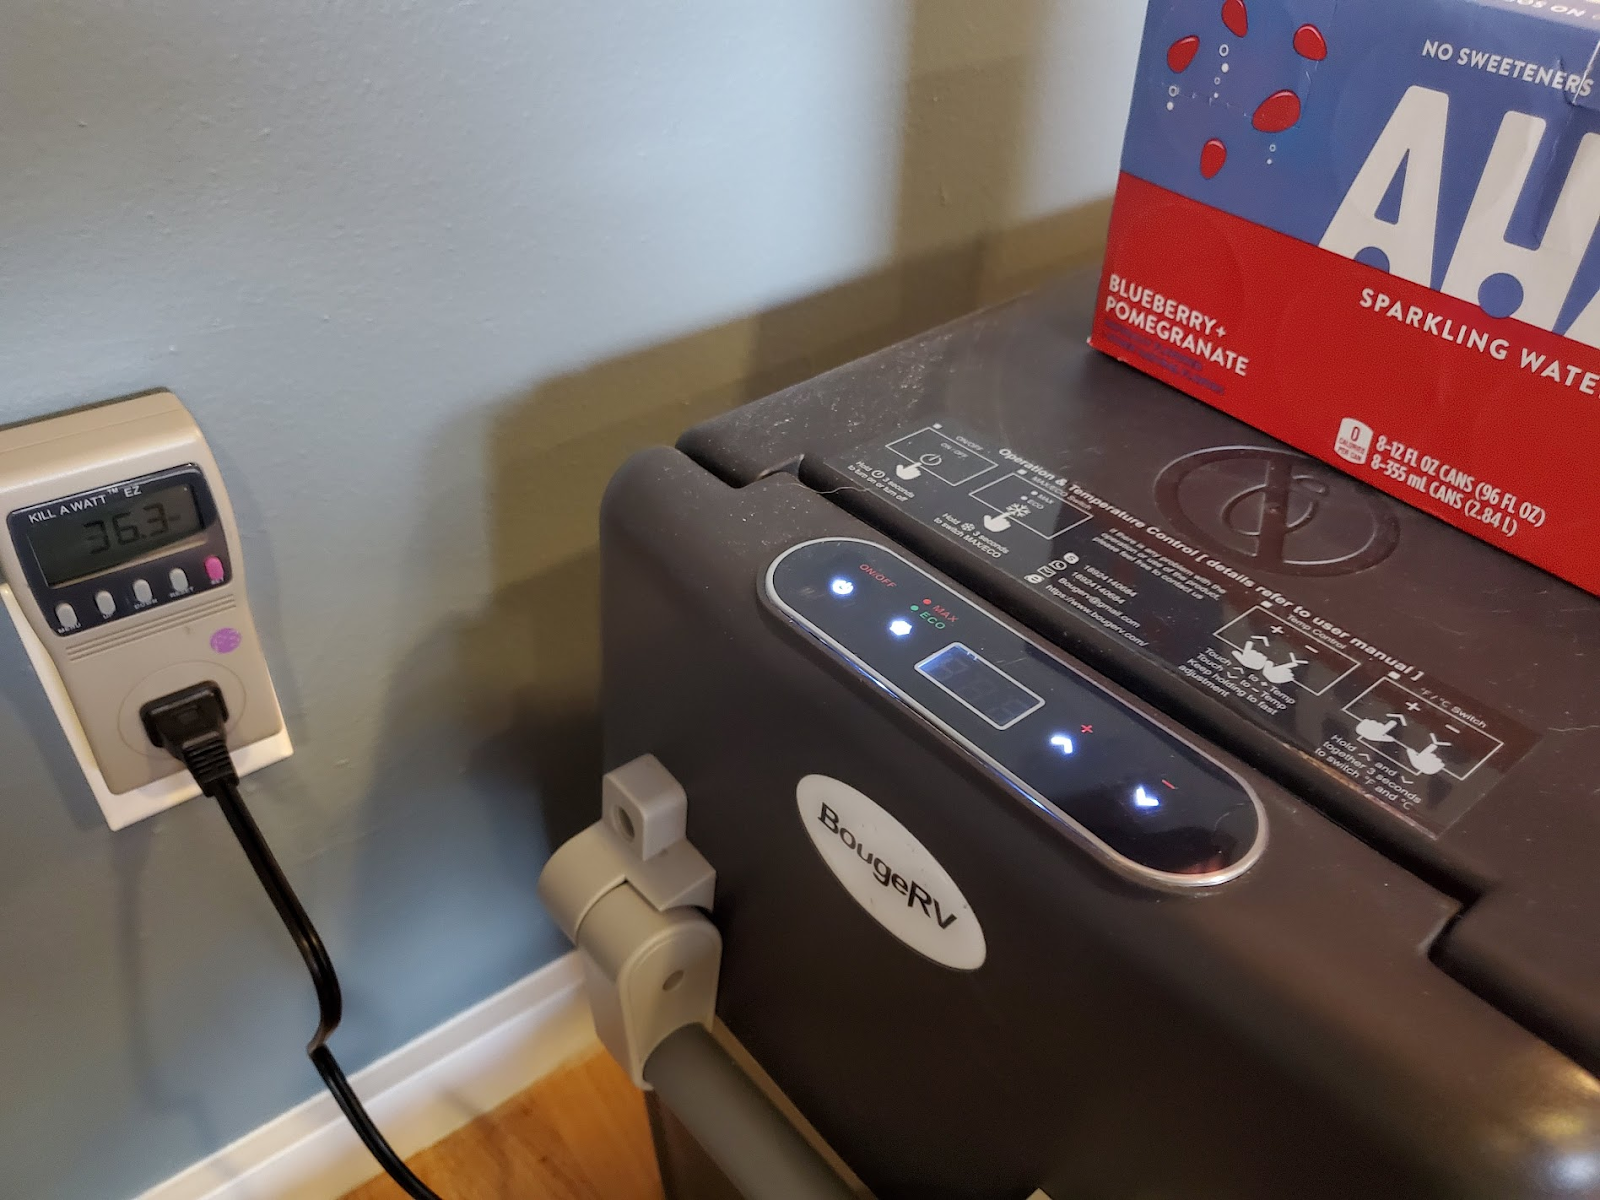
67 616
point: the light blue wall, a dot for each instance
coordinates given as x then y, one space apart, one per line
425 272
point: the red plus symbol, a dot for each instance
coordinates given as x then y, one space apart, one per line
1088 728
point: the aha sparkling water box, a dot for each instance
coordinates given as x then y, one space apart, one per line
1368 228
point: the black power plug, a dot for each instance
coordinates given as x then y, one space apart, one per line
192 726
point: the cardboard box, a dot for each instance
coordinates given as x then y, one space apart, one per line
1368 228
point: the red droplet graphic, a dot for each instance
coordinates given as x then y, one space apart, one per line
1181 53
1309 43
1277 112
1236 17
1212 157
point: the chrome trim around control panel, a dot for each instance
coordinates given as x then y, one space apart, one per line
1119 862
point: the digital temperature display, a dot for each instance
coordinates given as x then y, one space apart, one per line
980 685
109 535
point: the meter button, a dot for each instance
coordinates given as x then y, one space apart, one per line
178 580
142 592
105 603
214 569
66 616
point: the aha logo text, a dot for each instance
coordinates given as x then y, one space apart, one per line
1414 142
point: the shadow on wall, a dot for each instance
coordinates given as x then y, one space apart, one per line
527 668
553 451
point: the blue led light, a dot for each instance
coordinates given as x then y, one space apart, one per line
900 627
841 587
1062 743
1143 799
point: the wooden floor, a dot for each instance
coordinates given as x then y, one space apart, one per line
581 1134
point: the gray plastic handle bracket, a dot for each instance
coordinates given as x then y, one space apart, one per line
629 891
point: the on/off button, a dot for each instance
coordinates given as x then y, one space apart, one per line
215 571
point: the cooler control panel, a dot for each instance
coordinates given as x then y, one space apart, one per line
1153 806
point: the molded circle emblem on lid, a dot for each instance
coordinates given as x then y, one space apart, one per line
890 873
1277 511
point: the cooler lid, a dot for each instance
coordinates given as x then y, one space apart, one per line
1428 690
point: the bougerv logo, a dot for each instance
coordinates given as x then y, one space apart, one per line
890 873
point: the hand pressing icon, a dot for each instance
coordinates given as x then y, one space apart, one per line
1002 522
1251 655
1371 730
1283 672
1427 761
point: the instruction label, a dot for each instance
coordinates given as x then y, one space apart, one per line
1397 734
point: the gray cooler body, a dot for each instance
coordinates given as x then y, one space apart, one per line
1397 994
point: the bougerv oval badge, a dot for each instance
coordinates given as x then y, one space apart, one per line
890 873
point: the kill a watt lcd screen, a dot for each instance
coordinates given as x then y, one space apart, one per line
1368 228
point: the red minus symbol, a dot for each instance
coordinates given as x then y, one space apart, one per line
1170 784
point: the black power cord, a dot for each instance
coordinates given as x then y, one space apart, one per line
191 725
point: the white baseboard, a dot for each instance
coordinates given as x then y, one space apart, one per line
418 1094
